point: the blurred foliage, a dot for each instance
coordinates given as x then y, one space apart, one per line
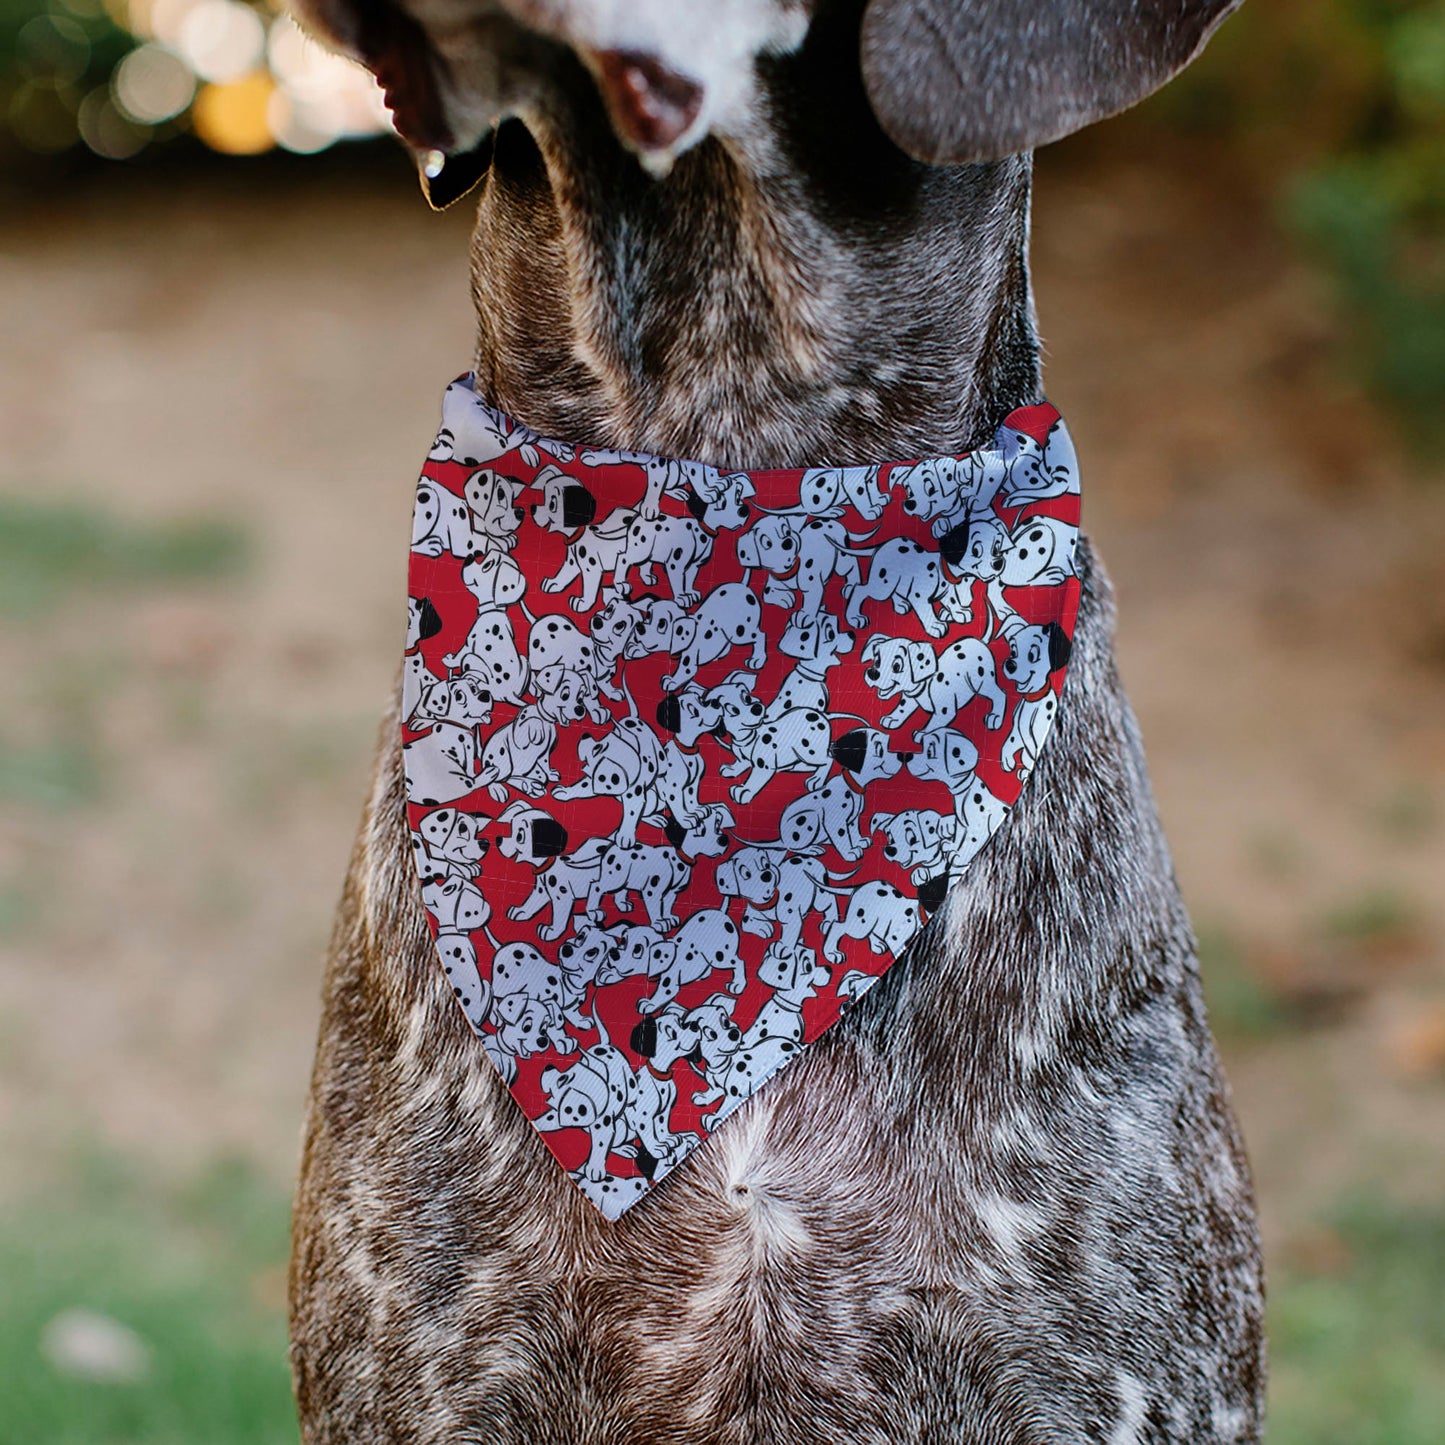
191 1277
50 549
1337 107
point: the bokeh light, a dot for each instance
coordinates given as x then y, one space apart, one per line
119 75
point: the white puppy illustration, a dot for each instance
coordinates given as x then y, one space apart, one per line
940 685
624 763
797 740
864 754
566 504
679 544
907 575
708 940
441 522
495 513
945 756
877 912
827 490
729 616
595 553
818 644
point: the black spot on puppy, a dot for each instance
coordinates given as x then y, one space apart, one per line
644 1039
549 838
579 507
932 892
429 622
1060 648
953 545
850 750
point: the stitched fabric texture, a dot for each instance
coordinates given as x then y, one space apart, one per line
692 755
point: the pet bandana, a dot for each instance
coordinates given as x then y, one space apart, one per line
691 755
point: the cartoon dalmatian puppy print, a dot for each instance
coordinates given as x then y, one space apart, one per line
692 755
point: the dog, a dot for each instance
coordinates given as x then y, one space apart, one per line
1004 1198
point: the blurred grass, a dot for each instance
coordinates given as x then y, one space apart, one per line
1358 1342
196 1274
51 548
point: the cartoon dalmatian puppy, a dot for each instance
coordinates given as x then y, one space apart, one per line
566 505
863 753
720 503
423 622
794 975
563 880
657 628
568 695
906 574
708 940
496 581
679 783
532 835
877 912
459 962
690 713
614 628
783 892
799 553
827 490
595 553
562 663
669 1035
817 644
518 755
1036 653
797 740
680 545
655 874
496 516
830 815
729 616
523 977
945 756
624 763
1037 473
973 551
748 1069
453 843
464 700
941 490
441 522
705 837
670 478
633 948
595 1094
442 764
917 839
1041 553
583 958
457 906
941 685
482 440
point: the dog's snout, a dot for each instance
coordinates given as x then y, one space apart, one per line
872 674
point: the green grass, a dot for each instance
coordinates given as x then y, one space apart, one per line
195 1275
51 549
1358 1353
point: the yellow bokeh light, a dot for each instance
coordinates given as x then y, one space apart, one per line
232 118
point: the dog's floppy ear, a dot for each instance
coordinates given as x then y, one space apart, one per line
975 80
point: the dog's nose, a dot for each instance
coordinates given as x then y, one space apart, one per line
908 504
518 513
889 851
872 674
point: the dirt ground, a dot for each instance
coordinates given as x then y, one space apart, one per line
273 355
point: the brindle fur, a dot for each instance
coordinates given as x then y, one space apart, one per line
1005 1199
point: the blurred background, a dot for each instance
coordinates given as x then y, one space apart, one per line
227 318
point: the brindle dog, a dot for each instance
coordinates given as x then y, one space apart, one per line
1004 1200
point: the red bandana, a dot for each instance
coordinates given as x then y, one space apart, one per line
691 755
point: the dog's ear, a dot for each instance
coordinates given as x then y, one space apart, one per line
975 80
1060 647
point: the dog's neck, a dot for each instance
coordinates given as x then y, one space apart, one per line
804 297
